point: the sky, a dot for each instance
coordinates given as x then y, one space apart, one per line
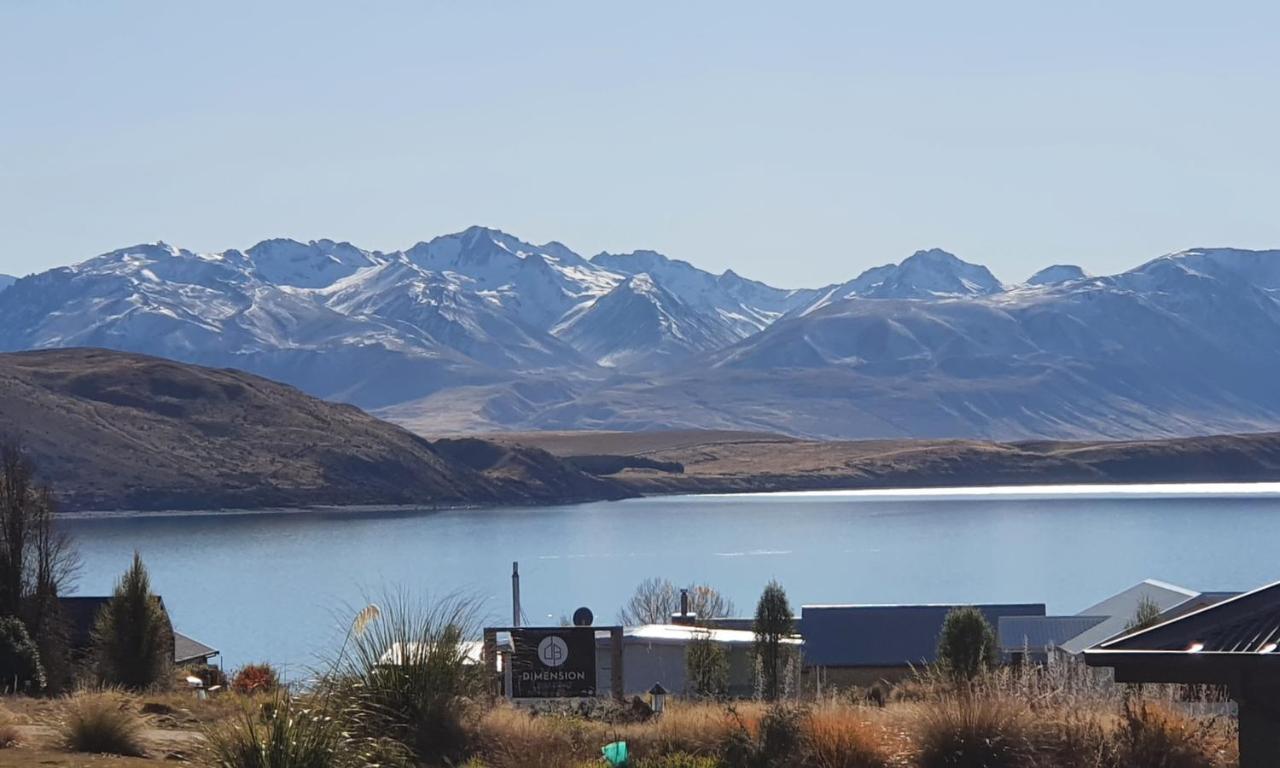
795 143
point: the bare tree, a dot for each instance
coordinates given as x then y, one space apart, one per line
656 600
38 561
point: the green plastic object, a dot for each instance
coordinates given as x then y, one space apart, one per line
615 753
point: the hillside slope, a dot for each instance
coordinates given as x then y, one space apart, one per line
113 430
692 461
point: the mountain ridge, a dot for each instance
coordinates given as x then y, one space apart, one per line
479 330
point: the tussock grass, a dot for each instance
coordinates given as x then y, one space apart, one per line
972 731
102 722
844 737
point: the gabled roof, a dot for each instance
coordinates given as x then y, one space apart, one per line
885 635
1121 608
187 650
1037 633
1238 636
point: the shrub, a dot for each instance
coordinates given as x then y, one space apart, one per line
773 623
132 637
406 674
255 678
840 737
20 667
101 723
1151 735
289 735
967 644
706 667
972 732
775 742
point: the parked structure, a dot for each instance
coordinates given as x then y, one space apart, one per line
864 644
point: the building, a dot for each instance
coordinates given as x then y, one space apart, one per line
1034 637
655 653
81 613
1233 643
864 644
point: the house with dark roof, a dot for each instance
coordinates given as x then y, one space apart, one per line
81 613
864 644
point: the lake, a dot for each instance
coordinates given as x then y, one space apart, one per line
275 586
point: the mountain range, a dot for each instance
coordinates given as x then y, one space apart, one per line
482 331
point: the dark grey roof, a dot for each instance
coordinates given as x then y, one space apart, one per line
187 650
885 635
1036 633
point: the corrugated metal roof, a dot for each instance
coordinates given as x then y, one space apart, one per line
1247 624
1036 633
885 635
1123 607
680 635
186 649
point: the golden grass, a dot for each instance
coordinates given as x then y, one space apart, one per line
102 722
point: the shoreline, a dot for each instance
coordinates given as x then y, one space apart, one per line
1047 491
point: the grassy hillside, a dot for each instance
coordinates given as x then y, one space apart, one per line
723 461
113 430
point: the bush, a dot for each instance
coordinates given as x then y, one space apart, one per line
776 741
101 723
406 674
132 637
972 732
842 738
20 667
706 667
290 735
1150 735
967 645
255 678
8 731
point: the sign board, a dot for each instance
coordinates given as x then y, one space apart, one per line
553 663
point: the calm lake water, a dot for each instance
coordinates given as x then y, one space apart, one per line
275 586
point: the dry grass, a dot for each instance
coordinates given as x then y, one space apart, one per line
102 722
846 737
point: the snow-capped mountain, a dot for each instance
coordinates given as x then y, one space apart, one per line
480 329
1058 273
641 324
931 274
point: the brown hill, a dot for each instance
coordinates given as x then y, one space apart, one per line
112 430
694 461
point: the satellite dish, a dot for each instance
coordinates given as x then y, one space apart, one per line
583 617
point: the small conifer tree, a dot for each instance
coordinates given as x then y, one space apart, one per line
132 637
773 624
967 645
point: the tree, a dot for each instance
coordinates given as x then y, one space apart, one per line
706 667
967 644
132 637
773 623
656 600
1145 617
38 561
20 668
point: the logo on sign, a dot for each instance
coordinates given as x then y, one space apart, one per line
553 651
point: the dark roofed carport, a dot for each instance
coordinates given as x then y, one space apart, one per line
1232 643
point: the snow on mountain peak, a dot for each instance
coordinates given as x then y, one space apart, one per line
1057 274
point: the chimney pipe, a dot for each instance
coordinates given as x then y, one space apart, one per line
515 594
684 602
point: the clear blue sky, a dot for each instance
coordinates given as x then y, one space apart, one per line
797 143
